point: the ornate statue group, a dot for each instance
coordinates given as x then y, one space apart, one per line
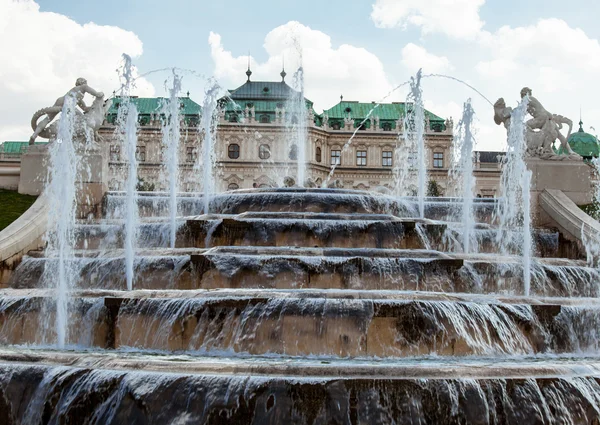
541 131
86 122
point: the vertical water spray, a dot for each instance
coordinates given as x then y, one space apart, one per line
414 126
513 211
209 127
461 173
300 127
61 193
170 139
127 128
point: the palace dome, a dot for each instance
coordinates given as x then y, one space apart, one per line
583 143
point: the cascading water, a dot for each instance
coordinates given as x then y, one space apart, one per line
170 140
209 126
461 174
513 210
60 271
127 128
414 129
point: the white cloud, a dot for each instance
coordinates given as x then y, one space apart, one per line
329 71
415 57
560 63
455 18
43 53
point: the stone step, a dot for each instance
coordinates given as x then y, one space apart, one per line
117 392
321 268
295 200
328 324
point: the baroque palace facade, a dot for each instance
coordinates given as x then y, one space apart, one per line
255 146
257 124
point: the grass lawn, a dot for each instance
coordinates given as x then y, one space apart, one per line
12 205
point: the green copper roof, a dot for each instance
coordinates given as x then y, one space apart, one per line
359 110
263 90
387 112
153 105
16 147
583 143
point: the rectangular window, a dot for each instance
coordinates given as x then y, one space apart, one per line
190 154
361 158
438 160
140 153
386 159
336 157
115 153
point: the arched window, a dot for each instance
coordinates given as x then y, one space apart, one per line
264 119
336 125
264 152
233 151
233 118
294 152
233 186
318 154
294 119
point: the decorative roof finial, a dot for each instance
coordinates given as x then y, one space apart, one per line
188 93
580 122
248 73
283 74
341 97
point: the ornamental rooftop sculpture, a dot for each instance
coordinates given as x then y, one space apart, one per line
542 130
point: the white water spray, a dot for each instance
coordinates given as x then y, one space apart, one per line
127 128
298 123
61 193
514 206
209 127
461 173
170 139
414 127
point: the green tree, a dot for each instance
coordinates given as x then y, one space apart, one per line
433 189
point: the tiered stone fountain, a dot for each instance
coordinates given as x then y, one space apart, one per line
308 306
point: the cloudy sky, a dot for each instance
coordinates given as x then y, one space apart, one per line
361 49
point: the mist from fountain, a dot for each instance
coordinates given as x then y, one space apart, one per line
513 210
127 129
462 178
170 140
60 271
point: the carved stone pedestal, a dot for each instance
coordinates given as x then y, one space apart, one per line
572 177
91 186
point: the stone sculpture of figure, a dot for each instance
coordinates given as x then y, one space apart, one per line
79 91
540 131
502 113
549 126
289 182
325 121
